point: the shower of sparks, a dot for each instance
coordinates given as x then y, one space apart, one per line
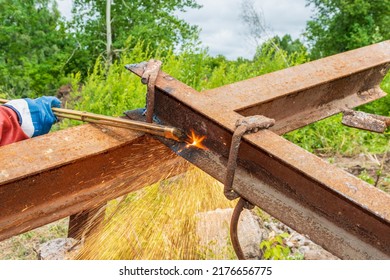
160 222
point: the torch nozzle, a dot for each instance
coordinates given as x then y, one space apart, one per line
176 134
180 134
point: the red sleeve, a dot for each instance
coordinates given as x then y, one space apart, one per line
10 130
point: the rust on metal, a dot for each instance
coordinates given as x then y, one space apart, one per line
66 172
365 121
245 125
338 211
84 223
149 77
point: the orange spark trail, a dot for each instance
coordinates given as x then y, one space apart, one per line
196 141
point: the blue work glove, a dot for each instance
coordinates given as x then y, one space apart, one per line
35 115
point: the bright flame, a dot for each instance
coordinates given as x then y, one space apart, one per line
195 141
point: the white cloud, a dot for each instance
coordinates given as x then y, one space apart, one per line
65 7
224 32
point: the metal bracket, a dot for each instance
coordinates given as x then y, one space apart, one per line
149 78
245 125
365 121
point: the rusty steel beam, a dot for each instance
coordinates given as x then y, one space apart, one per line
83 224
300 95
66 172
338 211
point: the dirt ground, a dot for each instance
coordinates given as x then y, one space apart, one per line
25 246
375 169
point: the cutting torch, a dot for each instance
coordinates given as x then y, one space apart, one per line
152 128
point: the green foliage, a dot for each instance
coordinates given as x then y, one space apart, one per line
289 45
380 106
329 136
271 56
339 25
154 22
114 92
275 248
38 48
33 44
366 177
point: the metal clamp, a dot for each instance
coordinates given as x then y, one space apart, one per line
250 124
149 78
245 125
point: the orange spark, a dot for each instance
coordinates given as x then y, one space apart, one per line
195 141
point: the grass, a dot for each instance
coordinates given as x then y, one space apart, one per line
330 137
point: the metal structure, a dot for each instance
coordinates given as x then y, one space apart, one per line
338 211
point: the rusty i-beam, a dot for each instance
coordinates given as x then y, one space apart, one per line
67 172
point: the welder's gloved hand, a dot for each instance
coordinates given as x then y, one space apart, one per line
35 115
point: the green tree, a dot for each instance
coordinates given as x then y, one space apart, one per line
33 44
341 25
154 22
289 45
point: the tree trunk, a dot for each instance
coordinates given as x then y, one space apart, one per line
109 34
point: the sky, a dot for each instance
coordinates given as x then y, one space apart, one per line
222 30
